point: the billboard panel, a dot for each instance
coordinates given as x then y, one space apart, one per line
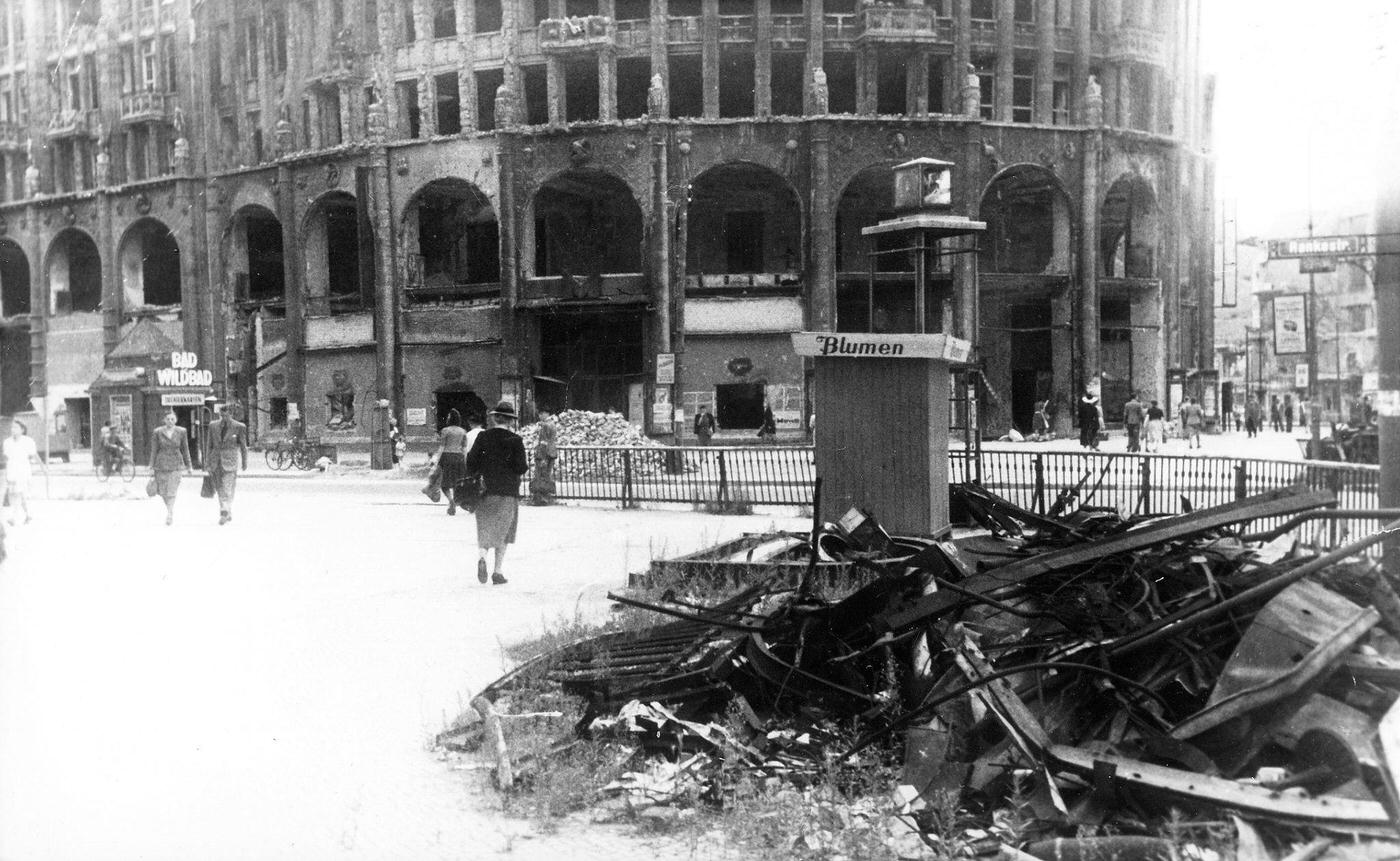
1290 324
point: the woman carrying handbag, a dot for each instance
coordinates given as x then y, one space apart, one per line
170 458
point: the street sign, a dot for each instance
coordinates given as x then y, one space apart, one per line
1291 324
1322 246
860 345
1316 265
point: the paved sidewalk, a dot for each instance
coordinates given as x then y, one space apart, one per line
268 689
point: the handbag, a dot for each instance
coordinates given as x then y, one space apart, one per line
468 493
433 490
151 487
206 487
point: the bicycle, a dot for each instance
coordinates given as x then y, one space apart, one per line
122 465
286 454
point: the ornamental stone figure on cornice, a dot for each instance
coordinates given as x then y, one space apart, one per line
972 93
656 98
821 95
31 171
282 134
505 107
1093 102
375 129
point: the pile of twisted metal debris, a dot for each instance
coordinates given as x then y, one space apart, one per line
1117 673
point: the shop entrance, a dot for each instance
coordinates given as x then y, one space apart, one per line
462 399
595 356
1032 361
187 418
79 422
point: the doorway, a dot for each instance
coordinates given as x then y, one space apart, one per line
185 417
595 355
79 422
465 401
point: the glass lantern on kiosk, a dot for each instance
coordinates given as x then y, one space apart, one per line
913 287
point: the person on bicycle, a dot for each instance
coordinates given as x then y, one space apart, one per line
114 451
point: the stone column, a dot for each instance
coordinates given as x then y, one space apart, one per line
709 56
1156 83
113 300
668 300
1062 358
916 97
821 269
1125 97
39 303
1089 362
1006 57
386 293
508 116
816 43
557 98
763 59
293 280
607 70
1044 62
867 83
427 105
1083 45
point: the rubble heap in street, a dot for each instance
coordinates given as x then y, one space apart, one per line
584 428
1106 674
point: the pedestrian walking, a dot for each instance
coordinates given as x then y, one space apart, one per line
1288 414
1090 421
20 457
1191 420
228 444
1156 427
1133 414
498 456
768 431
170 458
1275 415
451 457
546 451
1253 415
704 426
1040 423
398 444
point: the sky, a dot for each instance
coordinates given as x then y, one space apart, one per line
1295 76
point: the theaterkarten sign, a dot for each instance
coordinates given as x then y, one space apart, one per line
859 345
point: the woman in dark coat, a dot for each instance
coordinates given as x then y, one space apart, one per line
1089 422
498 456
170 456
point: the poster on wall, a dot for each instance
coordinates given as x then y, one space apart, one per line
1290 324
416 416
661 408
636 405
665 369
121 416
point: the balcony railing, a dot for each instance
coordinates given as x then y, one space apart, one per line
13 135
841 27
736 28
983 33
790 29
906 25
743 282
1138 44
140 21
145 106
633 34
68 122
582 33
1025 35
683 31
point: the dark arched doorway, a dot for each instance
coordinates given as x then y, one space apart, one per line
149 258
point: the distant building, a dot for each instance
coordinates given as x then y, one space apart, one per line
440 203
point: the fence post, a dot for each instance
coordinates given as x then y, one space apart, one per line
723 479
1039 484
627 478
1145 485
1241 480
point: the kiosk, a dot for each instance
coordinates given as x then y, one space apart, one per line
882 401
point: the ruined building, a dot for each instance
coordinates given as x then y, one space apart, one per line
623 204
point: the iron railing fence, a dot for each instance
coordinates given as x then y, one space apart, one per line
1142 484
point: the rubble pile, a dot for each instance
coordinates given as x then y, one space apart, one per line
584 428
1101 676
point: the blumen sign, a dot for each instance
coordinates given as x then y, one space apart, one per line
860 345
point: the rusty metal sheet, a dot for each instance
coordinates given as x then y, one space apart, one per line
1273 504
1294 641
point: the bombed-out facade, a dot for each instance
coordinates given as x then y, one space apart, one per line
347 209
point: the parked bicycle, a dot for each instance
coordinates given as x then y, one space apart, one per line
119 463
299 453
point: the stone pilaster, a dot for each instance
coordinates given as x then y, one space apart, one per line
293 279
763 59
821 272
659 60
386 286
1006 58
1083 45
916 97
1044 61
962 55
816 38
709 56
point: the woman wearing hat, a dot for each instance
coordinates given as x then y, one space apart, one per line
498 456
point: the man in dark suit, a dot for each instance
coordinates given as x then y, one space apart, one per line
227 449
